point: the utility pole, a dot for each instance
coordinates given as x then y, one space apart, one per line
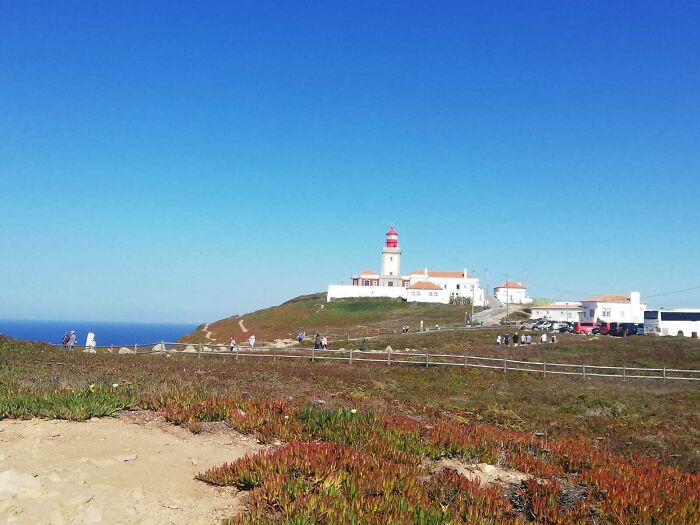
507 299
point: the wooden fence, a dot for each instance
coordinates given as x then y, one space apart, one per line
424 359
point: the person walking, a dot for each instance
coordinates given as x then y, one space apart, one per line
66 338
317 342
232 344
554 339
528 339
71 341
300 336
543 338
506 340
498 341
324 342
516 339
251 340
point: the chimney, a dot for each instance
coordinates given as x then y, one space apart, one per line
635 298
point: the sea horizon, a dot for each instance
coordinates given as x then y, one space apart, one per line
107 333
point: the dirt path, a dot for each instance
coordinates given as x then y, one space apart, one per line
242 326
207 332
132 469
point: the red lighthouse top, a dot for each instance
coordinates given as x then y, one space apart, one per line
392 238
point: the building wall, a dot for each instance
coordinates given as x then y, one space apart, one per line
512 295
454 286
343 291
557 314
427 296
613 312
391 262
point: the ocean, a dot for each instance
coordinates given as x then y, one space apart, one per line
106 333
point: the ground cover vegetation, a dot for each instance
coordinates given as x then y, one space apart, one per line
355 317
362 444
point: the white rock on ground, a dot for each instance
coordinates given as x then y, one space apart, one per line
190 349
159 348
125 350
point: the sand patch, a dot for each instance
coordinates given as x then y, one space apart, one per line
485 473
131 469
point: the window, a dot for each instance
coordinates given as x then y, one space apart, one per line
365 282
390 283
457 287
591 313
606 312
391 273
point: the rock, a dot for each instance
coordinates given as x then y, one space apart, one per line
193 461
160 347
125 457
206 349
487 469
389 349
89 350
125 350
19 484
280 344
341 349
190 349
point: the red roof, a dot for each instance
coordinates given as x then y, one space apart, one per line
424 285
608 298
392 231
511 284
440 273
367 272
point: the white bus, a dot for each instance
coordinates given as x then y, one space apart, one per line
675 322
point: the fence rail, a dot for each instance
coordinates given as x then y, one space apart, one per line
424 359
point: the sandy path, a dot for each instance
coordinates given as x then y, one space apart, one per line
207 332
243 328
134 469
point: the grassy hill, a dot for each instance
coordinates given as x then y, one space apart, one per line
311 313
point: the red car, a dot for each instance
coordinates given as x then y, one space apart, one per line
604 328
584 328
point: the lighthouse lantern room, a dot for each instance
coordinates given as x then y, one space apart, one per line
391 260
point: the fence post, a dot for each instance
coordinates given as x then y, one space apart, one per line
544 368
351 355
583 372
162 345
624 373
388 357
313 354
199 351
505 365
664 374
466 360
426 360
136 349
236 352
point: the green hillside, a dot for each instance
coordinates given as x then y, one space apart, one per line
311 313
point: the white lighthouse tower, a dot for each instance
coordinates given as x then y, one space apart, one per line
391 260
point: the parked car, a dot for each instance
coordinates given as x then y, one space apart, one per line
604 328
584 327
627 329
542 325
566 327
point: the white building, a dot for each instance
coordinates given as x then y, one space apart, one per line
448 285
427 292
614 308
512 292
458 284
561 311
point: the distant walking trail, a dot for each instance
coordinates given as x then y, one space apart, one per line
240 323
207 332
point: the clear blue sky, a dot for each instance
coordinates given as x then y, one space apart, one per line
166 161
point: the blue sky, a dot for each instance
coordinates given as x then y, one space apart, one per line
164 162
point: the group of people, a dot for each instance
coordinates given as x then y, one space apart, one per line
233 345
320 342
68 340
522 339
404 329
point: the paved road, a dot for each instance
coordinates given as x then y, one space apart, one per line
494 314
